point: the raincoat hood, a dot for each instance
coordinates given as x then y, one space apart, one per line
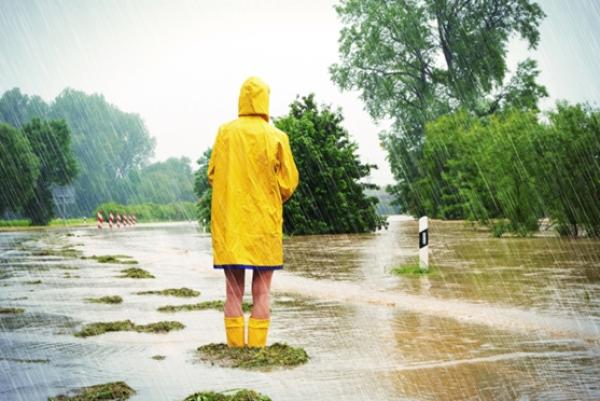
254 98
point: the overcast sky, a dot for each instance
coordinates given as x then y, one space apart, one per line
179 64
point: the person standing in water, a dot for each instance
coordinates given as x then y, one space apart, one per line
252 173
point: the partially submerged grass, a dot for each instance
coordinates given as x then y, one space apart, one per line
135 272
158 357
94 329
11 311
25 360
233 395
109 299
175 292
69 275
275 355
413 269
219 305
33 282
118 259
65 252
117 391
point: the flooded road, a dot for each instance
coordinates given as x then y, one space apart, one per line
501 319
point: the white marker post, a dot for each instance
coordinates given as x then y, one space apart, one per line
423 244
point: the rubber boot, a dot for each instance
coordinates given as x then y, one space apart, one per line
257 332
234 327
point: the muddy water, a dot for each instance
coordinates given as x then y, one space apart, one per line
500 320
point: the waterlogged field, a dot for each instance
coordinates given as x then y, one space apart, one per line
498 319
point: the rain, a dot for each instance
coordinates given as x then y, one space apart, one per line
442 242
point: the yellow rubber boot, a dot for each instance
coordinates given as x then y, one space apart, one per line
234 327
257 332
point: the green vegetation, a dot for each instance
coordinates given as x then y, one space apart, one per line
135 272
233 395
94 329
274 355
159 357
219 305
414 269
65 252
33 282
175 292
117 391
113 259
177 211
331 196
109 299
11 311
25 360
38 156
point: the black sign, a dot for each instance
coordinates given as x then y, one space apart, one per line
423 238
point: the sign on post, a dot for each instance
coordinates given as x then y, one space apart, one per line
423 243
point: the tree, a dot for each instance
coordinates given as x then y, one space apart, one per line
330 197
19 168
163 182
415 60
109 144
51 143
202 189
17 109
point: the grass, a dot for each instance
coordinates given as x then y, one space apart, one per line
414 270
109 299
275 355
135 272
33 282
11 311
65 252
25 360
175 292
219 305
158 357
95 329
238 395
118 259
117 391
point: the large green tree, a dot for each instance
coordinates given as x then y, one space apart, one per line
202 189
331 196
51 143
415 60
19 168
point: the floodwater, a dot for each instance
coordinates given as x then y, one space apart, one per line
499 319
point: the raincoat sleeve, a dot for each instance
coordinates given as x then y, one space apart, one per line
211 162
287 174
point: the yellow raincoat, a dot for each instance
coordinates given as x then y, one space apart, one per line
252 173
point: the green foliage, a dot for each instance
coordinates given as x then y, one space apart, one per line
108 299
117 391
177 211
234 395
165 182
135 272
416 60
330 198
203 190
508 170
11 311
51 143
95 329
219 305
174 292
277 354
19 168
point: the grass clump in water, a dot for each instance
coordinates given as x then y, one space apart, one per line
159 357
274 355
95 329
239 395
413 269
219 305
109 299
175 292
117 391
33 282
113 259
135 272
65 252
11 311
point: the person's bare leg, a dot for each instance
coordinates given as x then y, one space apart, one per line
261 289
234 282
